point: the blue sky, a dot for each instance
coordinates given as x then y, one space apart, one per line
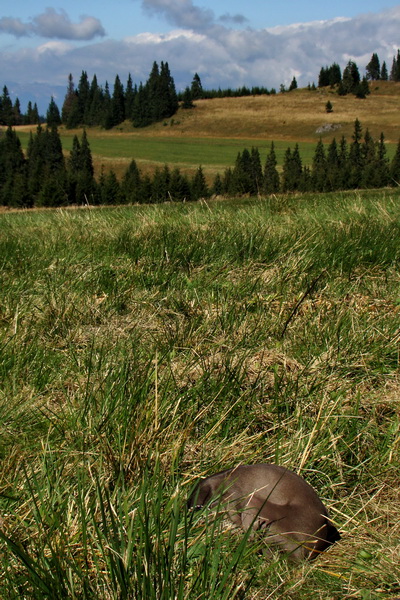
228 42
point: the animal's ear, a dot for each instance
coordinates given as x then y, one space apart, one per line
332 534
201 496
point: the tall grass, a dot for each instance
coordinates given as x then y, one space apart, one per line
142 347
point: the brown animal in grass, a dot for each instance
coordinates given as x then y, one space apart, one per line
270 497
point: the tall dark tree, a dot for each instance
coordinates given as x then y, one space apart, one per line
187 98
6 112
196 87
333 181
131 184
395 168
199 187
53 118
292 175
12 167
94 115
82 186
17 116
69 99
373 68
271 182
319 168
395 70
356 158
117 104
129 97
351 77
384 72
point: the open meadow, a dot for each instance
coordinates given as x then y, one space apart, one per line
212 134
145 346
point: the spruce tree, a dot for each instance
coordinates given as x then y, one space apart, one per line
12 170
131 184
187 100
196 87
68 100
6 113
356 162
382 164
179 186
109 189
53 118
373 68
256 171
368 152
17 116
129 98
217 188
199 188
333 181
319 168
292 176
384 72
271 181
351 78
117 104
395 168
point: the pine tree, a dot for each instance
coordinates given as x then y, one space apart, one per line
69 100
384 72
109 189
368 152
196 87
217 188
373 68
256 171
333 181
382 164
199 188
351 77
335 75
187 101
179 186
96 108
129 98
53 118
12 165
271 181
293 84
82 186
6 113
395 70
131 184
117 104
319 168
356 162
292 176
17 116
343 164
395 167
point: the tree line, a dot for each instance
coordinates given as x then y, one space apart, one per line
359 164
44 177
351 82
10 113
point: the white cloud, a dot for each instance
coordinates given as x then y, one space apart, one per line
222 56
53 24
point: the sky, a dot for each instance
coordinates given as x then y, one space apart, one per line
229 43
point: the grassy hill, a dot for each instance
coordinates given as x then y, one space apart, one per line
145 346
216 130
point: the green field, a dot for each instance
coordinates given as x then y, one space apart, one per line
143 347
214 154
